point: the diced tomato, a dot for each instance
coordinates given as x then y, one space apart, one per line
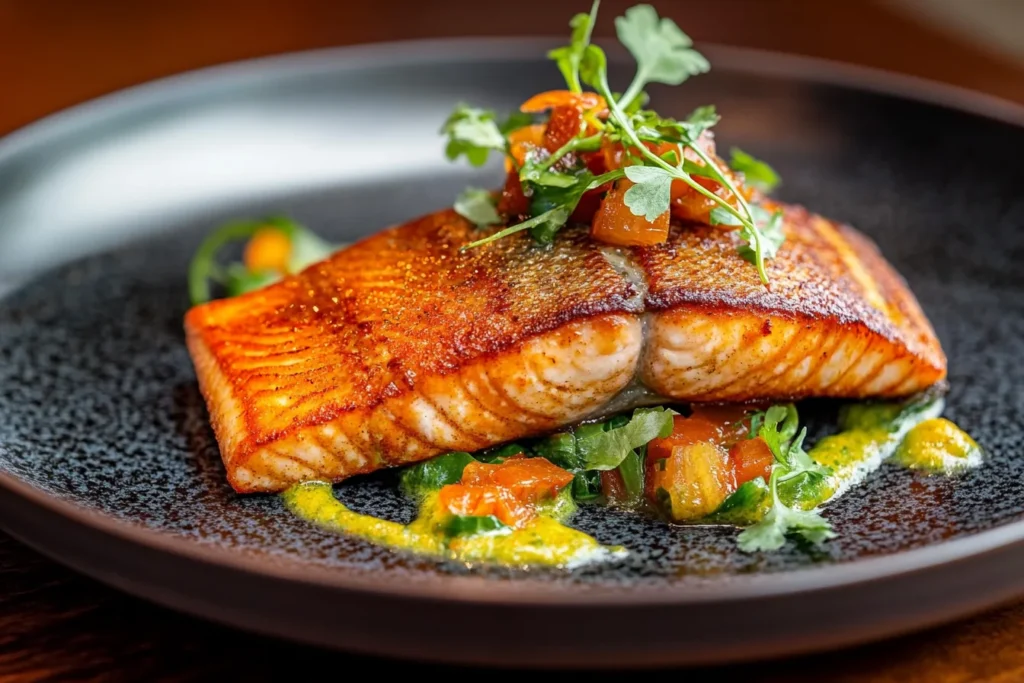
480 501
751 458
513 201
523 140
269 249
588 206
566 122
529 480
553 98
690 205
733 420
685 430
692 481
615 223
612 486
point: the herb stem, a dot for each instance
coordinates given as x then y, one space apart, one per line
620 117
566 210
755 232
594 141
634 89
746 220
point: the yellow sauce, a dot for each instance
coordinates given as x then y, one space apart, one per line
871 433
544 541
938 445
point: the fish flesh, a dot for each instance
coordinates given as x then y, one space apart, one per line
401 347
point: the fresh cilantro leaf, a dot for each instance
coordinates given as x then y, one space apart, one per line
756 173
570 57
770 533
545 230
558 189
772 238
700 121
472 132
477 207
777 426
693 168
539 175
651 193
663 52
722 216
605 450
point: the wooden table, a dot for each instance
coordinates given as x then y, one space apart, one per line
56 624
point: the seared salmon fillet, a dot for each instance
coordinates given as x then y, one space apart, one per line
400 347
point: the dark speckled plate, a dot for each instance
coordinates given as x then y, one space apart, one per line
107 462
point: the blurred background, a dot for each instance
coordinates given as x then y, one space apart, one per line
55 53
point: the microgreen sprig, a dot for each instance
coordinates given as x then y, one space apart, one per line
555 183
778 427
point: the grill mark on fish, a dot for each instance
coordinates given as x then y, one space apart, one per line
511 340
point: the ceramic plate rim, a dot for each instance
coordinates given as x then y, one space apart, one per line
477 589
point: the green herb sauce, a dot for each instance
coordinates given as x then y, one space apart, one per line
544 541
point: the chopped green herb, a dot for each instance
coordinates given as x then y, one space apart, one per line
778 427
499 454
430 475
469 525
560 450
586 486
474 133
664 54
477 207
651 193
756 173
605 450
772 238
743 507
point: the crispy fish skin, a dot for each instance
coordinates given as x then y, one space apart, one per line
837 322
400 347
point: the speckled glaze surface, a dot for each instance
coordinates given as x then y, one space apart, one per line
101 415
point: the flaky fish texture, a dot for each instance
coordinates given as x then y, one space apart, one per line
401 347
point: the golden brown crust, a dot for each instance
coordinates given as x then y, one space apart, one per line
401 346
824 272
367 324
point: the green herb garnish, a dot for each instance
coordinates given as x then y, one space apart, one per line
305 249
431 475
756 173
556 182
778 427
477 207
471 525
